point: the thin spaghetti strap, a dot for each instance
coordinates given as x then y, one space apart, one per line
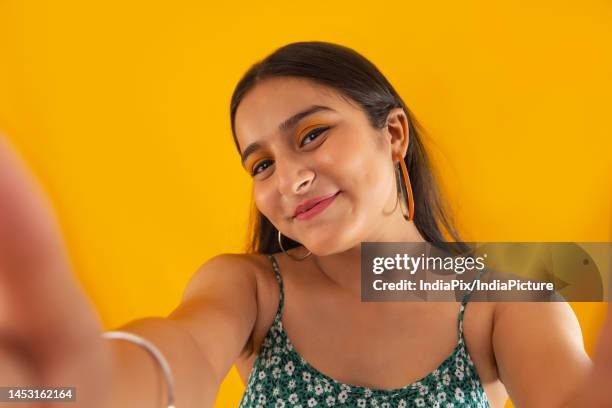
464 302
279 278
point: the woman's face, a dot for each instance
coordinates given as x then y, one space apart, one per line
325 146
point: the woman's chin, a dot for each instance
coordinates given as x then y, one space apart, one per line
322 248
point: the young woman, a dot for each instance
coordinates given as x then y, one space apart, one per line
326 139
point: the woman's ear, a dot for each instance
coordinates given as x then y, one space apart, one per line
398 132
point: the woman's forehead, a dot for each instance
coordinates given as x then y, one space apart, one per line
272 101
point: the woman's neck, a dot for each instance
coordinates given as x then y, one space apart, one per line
343 269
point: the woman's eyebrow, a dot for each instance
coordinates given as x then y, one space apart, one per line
285 126
295 119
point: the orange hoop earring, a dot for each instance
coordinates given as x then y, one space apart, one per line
406 191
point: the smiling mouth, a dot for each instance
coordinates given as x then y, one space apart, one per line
316 209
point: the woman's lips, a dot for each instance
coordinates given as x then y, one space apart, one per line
317 209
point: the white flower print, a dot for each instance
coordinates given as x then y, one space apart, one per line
373 402
293 398
262 375
318 389
423 389
368 393
275 391
361 403
420 402
401 404
291 384
446 379
309 387
459 374
385 405
442 396
280 403
306 376
262 399
328 387
330 400
312 402
342 396
289 367
276 373
459 362
345 387
258 387
459 396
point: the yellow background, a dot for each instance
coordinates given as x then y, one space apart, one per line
121 108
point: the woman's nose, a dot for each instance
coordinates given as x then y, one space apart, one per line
293 177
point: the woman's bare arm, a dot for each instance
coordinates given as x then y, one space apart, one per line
201 338
219 309
540 355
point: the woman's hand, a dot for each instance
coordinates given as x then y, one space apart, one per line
49 331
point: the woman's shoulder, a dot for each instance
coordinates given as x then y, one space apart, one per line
255 261
259 268
240 261
248 265
228 270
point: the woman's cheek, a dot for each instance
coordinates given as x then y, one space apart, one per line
341 155
264 203
362 171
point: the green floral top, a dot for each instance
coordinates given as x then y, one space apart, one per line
281 378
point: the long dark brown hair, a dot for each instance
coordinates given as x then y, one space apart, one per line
354 77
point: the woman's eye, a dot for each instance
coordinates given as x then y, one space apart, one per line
310 136
260 165
313 134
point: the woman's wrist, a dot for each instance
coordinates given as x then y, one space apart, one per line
154 353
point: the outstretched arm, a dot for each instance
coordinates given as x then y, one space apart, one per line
50 333
541 358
